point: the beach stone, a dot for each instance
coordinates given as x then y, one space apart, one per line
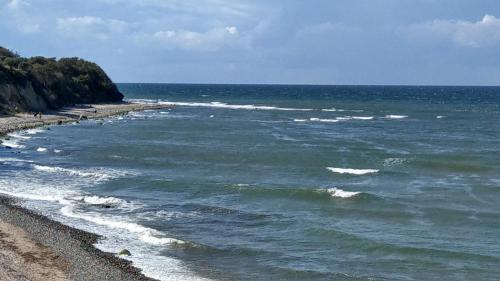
124 252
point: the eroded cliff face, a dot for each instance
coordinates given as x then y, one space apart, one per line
41 84
15 98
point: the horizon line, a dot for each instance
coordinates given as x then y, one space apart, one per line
327 85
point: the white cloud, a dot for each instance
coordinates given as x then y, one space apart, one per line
485 32
21 14
210 40
88 26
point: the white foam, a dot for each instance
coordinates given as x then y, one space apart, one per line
19 136
72 172
391 116
96 200
232 106
159 241
300 120
49 194
352 171
324 120
147 101
440 117
57 151
329 109
32 196
34 131
146 234
9 159
339 193
344 118
12 143
41 149
389 162
362 117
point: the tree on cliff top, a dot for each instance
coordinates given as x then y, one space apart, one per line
53 83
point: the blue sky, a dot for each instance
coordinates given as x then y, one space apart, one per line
432 42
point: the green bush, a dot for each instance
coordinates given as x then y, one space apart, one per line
69 80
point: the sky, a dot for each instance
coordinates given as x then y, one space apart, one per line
369 42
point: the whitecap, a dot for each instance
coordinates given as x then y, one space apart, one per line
300 120
41 149
339 193
392 116
362 117
344 118
440 117
146 101
329 109
352 171
71 172
34 131
233 106
324 120
57 151
12 143
96 200
19 136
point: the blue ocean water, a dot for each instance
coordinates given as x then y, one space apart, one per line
244 182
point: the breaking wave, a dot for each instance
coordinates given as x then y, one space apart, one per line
352 171
233 106
391 116
339 193
73 172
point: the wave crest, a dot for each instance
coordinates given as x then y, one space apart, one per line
233 106
71 172
339 193
352 171
392 116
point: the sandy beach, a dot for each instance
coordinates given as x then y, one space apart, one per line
33 247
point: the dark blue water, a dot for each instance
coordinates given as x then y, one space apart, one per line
280 182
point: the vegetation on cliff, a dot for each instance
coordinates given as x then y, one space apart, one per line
41 84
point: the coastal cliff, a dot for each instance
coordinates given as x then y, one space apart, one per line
41 84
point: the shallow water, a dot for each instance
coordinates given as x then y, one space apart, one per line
279 182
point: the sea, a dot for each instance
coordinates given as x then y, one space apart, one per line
277 182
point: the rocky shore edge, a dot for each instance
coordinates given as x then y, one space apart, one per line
76 113
73 249
34 247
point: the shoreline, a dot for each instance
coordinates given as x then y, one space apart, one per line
24 121
34 247
61 251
